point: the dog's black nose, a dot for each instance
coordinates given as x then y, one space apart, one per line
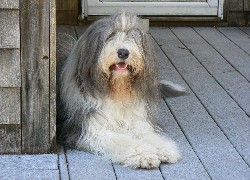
123 53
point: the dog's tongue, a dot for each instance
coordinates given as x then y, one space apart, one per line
121 66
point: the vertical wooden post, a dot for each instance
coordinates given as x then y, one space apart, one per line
52 75
37 58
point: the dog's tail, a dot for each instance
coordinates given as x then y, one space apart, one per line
170 89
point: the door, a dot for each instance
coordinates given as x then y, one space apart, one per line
153 7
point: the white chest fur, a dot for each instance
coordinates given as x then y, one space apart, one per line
120 116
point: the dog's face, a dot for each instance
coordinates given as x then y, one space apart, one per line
115 57
122 56
121 60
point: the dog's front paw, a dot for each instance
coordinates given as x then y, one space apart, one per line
143 157
169 152
170 157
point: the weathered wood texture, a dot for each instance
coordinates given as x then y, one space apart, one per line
10 77
52 75
246 5
10 136
9 105
10 68
36 62
236 12
67 11
9 4
238 18
9 25
236 5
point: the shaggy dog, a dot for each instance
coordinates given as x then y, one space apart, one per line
109 93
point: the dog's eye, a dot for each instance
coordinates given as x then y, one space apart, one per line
110 36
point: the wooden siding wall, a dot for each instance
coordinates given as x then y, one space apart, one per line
10 78
237 12
27 76
67 11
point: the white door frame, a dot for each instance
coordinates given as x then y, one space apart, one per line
209 8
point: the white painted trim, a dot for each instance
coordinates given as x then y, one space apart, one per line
102 4
209 8
220 9
213 3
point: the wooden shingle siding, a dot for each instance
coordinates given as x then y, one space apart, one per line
67 11
236 12
10 68
36 62
9 4
9 25
236 5
10 136
10 78
9 106
246 5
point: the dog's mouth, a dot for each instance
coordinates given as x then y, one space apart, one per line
121 66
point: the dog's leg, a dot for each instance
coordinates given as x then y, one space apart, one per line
124 149
167 150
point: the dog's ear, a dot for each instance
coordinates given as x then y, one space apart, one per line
170 89
64 46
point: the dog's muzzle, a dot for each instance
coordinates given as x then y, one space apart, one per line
123 54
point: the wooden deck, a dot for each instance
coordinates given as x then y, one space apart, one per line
211 125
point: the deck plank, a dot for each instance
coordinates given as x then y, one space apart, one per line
237 87
216 98
246 30
237 36
124 173
29 174
62 164
217 66
232 53
215 151
83 165
29 162
190 166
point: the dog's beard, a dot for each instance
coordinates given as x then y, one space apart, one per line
120 86
123 82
